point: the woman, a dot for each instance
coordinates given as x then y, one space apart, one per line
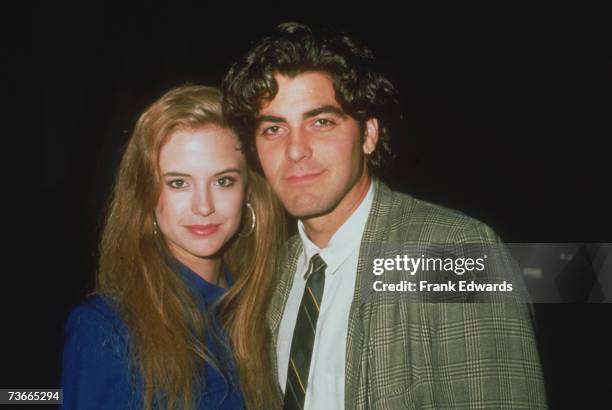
185 272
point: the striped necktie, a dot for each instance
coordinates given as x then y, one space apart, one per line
304 336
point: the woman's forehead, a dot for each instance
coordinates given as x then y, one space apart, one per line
206 149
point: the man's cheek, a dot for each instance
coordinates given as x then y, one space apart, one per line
264 160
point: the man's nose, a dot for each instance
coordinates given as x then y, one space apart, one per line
298 147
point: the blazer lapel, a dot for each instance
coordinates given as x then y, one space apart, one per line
286 271
359 316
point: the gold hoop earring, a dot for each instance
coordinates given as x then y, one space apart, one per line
253 221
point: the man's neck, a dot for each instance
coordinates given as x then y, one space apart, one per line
320 229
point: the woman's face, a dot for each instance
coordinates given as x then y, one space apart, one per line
203 187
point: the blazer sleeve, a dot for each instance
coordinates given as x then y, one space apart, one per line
491 343
95 371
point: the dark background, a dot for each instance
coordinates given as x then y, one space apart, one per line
506 119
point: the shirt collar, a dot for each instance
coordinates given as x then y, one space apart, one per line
345 239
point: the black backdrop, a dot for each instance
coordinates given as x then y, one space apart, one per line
507 119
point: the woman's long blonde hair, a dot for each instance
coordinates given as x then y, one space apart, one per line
166 327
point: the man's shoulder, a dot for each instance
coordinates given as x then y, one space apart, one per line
410 218
418 210
402 217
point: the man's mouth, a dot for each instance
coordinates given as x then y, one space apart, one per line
303 178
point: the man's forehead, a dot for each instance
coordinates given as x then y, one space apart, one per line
304 91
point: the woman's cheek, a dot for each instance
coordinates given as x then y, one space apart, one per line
174 205
232 205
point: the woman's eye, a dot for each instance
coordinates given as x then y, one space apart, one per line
177 183
225 182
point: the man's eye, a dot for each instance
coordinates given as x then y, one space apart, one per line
177 183
225 182
271 130
324 122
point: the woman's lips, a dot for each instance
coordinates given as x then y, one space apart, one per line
203 230
297 179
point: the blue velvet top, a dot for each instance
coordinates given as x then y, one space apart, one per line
95 371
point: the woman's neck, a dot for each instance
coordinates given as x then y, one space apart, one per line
208 269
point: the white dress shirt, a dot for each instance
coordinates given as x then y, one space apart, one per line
327 365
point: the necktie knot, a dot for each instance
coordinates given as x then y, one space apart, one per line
317 265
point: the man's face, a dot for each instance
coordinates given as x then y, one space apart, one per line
310 150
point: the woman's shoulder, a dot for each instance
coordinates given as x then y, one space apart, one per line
96 358
95 307
95 317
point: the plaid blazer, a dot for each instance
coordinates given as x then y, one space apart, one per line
402 355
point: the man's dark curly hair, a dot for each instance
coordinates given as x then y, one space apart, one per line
361 89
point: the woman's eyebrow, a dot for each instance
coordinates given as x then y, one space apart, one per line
176 174
227 170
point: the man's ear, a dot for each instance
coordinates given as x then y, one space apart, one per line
370 135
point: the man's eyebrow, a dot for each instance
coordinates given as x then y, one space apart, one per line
267 118
326 109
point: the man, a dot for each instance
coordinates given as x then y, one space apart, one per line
315 110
